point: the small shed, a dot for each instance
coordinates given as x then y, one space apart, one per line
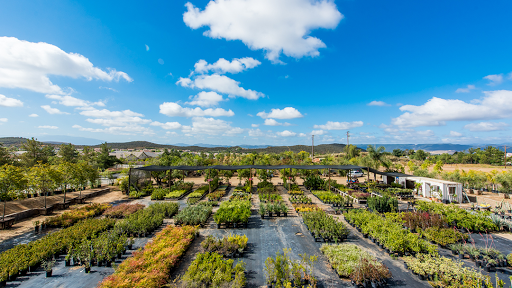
442 189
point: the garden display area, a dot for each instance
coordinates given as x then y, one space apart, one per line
263 235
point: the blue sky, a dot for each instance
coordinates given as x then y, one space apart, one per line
257 71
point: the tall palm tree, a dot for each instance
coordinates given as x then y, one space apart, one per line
377 156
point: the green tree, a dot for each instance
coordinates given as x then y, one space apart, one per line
420 155
377 156
12 182
398 152
41 179
104 160
5 157
68 153
34 154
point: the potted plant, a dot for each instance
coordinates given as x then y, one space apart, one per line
36 225
48 265
262 211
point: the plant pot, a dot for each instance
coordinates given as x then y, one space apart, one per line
67 263
263 217
49 273
87 269
285 214
461 256
100 263
130 246
108 264
3 283
487 268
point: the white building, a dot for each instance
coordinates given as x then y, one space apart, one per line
441 189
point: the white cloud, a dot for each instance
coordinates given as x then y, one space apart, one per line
256 133
494 105
495 79
51 110
9 102
108 88
3 120
255 125
221 84
455 134
124 130
28 65
167 125
302 135
274 26
223 66
286 113
48 127
67 100
465 90
318 132
33 115
173 109
286 133
486 126
330 125
124 122
205 99
272 122
211 126
378 103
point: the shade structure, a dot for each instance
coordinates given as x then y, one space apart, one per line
238 167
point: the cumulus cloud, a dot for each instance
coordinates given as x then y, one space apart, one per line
286 133
486 126
494 105
33 115
51 110
494 79
9 102
455 134
205 99
273 26
211 126
330 125
302 135
223 66
119 130
255 125
48 127
67 100
378 103
3 120
318 132
256 133
221 84
286 113
167 125
28 65
465 90
173 109
272 122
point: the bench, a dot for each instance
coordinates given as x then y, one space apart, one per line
7 222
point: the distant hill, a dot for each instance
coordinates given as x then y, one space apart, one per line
425 147
9 141
319 149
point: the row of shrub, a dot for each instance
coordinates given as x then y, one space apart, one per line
147 220
122 210
325 226
389 233
76 214
151 266
228 245
23 256
236 211
352 262
193 215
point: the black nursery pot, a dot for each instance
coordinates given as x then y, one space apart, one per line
49 273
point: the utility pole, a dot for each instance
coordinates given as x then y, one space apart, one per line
312 147
505 156
348 135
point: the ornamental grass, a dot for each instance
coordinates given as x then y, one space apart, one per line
151 266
